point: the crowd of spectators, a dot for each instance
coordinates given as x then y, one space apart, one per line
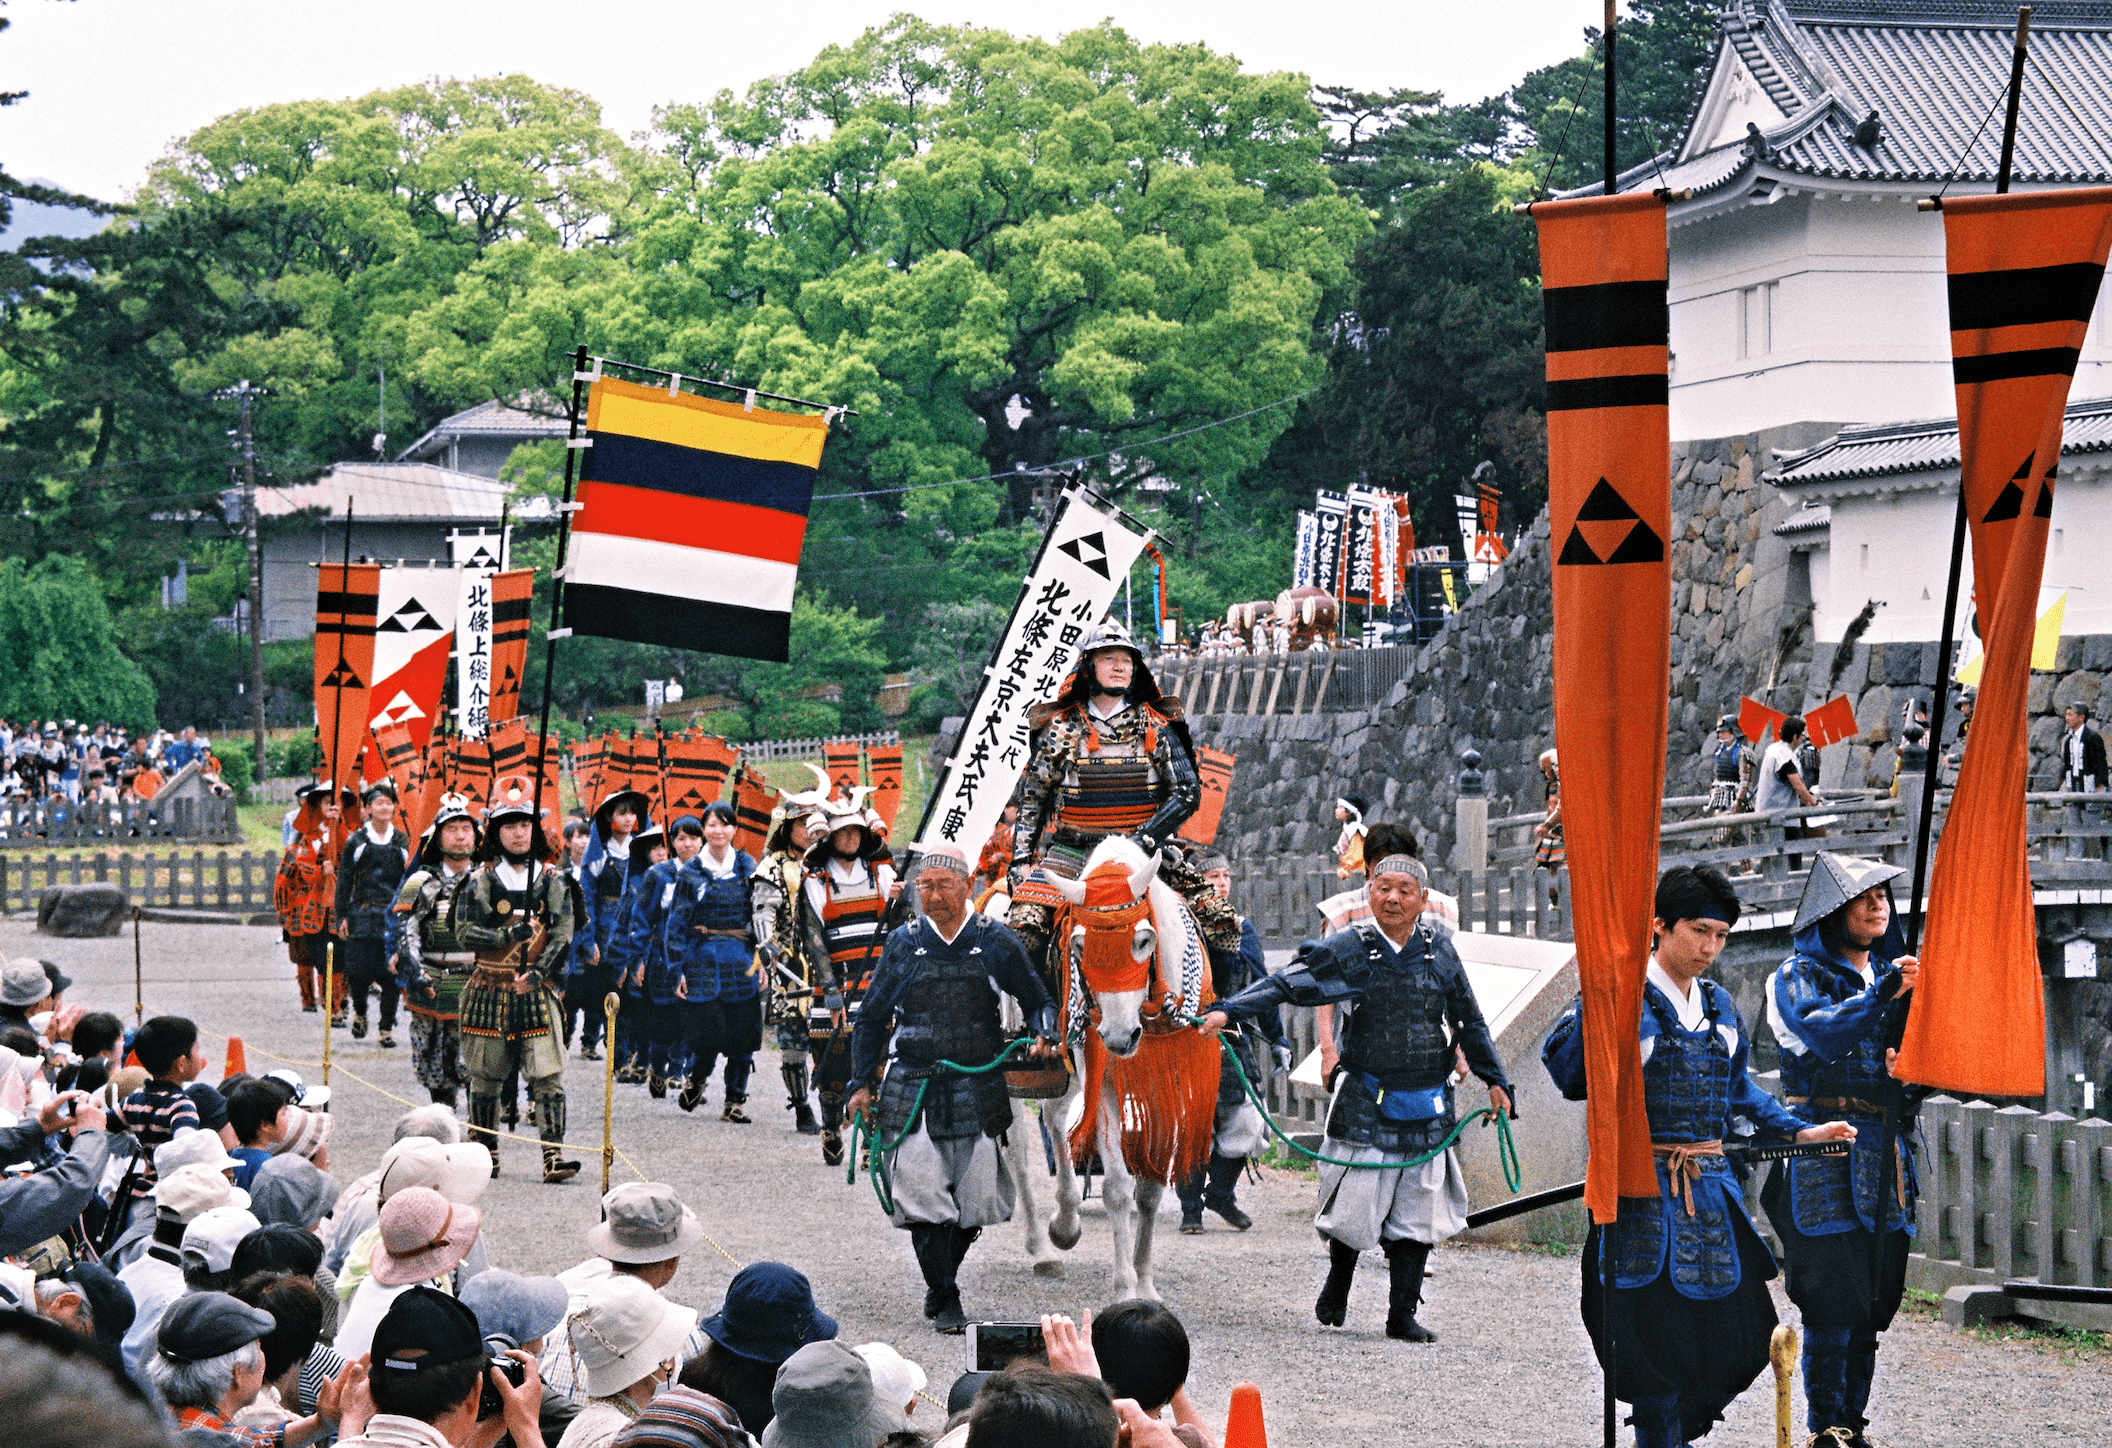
180 1264
55 769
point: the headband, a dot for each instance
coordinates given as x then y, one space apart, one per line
1710 911
1402 865
943 859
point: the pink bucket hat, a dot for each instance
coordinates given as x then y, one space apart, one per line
423 1236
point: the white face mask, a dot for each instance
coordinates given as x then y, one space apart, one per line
40 1022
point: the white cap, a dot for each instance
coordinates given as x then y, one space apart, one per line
213 1236
192 1148
895 1378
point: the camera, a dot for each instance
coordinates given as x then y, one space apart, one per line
995 1345
489 1404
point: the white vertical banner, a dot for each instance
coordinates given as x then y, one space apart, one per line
1302 552
1329 510
1388 523
1084 557
479 555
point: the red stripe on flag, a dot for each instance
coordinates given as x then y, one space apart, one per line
662 517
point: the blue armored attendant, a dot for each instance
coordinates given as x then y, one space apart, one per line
1834 1004
1691 1315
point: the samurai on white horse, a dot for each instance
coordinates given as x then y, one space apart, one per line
1144 1088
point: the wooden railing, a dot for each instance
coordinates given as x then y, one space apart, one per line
767 750
223 880
60 822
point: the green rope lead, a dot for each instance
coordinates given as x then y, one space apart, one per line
866 1124
1506 1148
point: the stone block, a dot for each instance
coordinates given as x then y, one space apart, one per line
2038 696
1965 1307
2097 653
81 912
1743 578
2078 686
1902 664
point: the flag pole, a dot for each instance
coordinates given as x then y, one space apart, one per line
337 700
1932 770
557 582
1608 1413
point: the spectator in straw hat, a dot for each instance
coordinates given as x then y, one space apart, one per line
459 1171
643 1232
435 1123
423 1238
628 1338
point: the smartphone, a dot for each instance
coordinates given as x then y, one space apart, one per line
994 1345
490 1405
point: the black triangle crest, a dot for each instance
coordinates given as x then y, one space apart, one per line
1089 549
2009 503
342 677
1640 546
1603 506
1577 551
2024 469
2043 508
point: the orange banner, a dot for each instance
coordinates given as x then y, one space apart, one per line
346 602
885 763
469 772
2024 274
1832 722
1755 719
512 593
752 802
1603 271
404 762
589 762
698 766
1215 768
841 762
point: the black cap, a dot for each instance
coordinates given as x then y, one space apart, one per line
439 1328
208 1325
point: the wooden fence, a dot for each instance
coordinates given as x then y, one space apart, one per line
222 880
765 751
212 821
2009 1193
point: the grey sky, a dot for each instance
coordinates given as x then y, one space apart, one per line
112 82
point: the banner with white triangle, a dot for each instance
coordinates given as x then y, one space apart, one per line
414 626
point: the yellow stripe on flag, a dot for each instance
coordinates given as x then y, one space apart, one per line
2045 643
705 423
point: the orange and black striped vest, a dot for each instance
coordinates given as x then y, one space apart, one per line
850 921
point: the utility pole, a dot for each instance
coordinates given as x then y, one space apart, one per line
246 394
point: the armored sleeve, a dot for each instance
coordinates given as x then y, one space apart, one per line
1038 784
766 897
557 924
403 935
875 1025
1562 1053
1184 794
1016 977
1323 973
1805 1019
480 927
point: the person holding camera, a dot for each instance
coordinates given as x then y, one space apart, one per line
516 914
430 1382
51 1199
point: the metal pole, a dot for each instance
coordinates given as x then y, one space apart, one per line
2016 97
609 1005
139 982
1932 772
1609 96
329 1000
256 577
557 585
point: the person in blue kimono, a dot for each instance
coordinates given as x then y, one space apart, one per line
1690 1311
710 932
605 876
648 848
648 968
1835 1005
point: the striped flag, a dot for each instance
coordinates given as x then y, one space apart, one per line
511 594
347 600
753 800
692 513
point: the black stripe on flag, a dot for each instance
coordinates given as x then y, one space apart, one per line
678 623
1646 389
2000 366
2024 296
511 610
1611 314
638 462
355 604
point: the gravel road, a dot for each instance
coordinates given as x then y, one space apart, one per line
1512 1365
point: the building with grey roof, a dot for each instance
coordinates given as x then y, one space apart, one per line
480 439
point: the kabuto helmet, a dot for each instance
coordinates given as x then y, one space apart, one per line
513 798
452 807
847 814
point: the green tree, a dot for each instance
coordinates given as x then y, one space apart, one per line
1663 52
58 649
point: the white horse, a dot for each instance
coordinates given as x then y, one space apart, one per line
1135 968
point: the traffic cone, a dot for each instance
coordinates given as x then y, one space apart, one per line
237 1059
1243 1425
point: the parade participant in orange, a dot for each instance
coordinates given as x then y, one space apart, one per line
305 890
